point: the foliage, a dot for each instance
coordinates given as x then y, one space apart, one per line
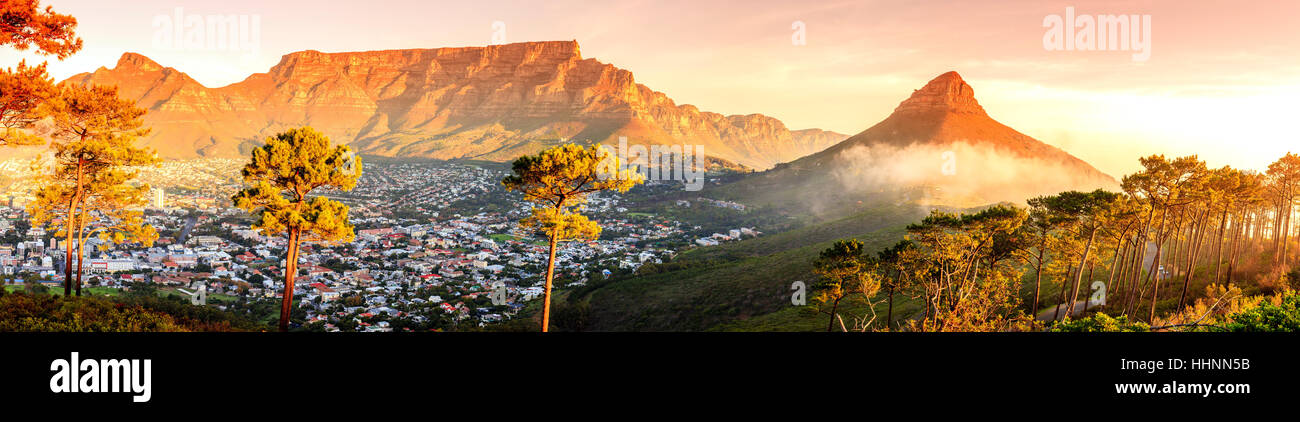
558 179
23 25
960 273
1099 322
22 91
39 312
93 136
1269 317
845 270
281 174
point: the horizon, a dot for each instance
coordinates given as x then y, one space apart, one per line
1199 92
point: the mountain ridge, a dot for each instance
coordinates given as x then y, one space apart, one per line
494 102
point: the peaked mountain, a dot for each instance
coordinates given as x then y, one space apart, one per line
940 147
945 112
495 103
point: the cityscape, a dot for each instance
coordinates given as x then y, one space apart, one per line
424 257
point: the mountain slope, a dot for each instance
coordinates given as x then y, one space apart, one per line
493 103
938 147
869 187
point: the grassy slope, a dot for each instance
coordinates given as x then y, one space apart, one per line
736 281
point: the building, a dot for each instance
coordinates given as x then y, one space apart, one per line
159 198
100 266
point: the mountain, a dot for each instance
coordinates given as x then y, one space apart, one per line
939 147
944 113
495 103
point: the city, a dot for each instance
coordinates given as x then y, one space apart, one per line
438 247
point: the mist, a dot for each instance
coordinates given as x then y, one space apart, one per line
959 174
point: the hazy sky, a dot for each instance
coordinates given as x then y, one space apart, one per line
1222 79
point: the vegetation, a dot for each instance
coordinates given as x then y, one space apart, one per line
88 183
1163 227
557 180
132 312
281 174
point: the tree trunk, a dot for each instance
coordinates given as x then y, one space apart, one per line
1155 273
290 274
550 274
1286 231
1218 253
889 315
68 247
1193 250
1078 277
81 253
1232 255
834 308
1038 278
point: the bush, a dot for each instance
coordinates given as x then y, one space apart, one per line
1099 322
1268 317
20 311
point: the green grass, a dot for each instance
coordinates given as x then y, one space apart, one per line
725 286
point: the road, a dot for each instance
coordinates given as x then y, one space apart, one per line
189 225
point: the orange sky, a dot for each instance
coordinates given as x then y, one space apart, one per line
1222 80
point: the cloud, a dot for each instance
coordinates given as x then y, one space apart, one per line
961 174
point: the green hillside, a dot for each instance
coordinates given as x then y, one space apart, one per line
712 287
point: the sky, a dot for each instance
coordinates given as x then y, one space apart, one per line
1221 80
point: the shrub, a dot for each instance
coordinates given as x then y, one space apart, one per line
1099 322
1268 317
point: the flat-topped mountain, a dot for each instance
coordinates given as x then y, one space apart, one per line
494 103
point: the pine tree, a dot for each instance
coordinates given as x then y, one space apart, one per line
22 91
93 145
23 25
281 174
557 180
845 271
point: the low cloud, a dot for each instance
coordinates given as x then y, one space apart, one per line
959 174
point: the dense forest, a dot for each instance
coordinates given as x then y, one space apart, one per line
1181 247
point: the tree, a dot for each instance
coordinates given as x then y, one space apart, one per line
93 141
22 91
845 271
23 25
960 295
1284 175
892 259
1037 232
106 211
558 179
1084 213
281 174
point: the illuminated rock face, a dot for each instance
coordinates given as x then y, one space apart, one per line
946 93
494 102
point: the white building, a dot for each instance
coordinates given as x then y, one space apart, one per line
100 266
159 198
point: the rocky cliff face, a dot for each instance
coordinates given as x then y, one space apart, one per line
494 103
946 93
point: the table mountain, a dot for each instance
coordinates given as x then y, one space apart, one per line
495 103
